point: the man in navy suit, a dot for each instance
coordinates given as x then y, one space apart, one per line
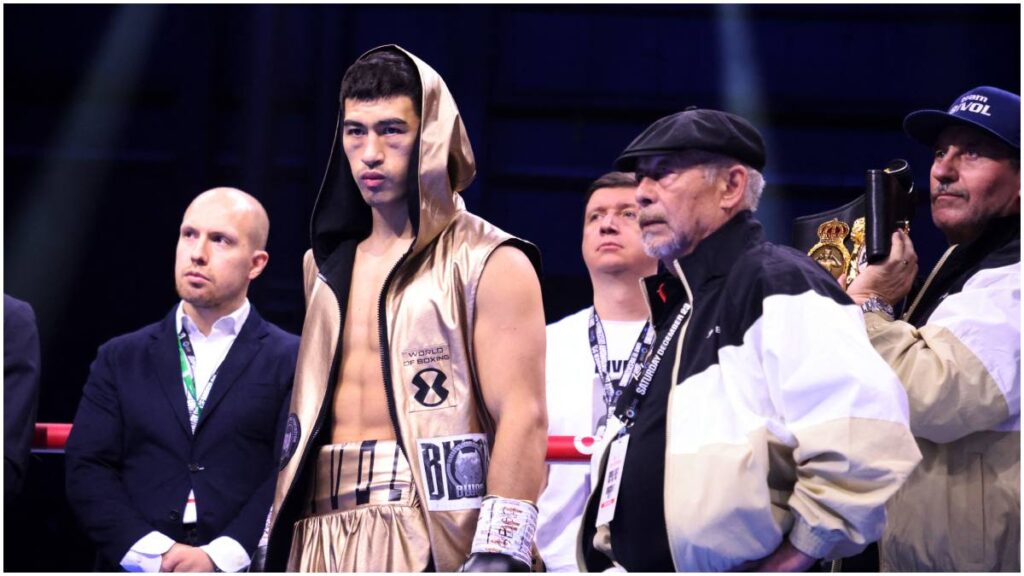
172 458
21 391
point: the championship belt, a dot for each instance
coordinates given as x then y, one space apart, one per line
830 252
828 238
859 257
845 239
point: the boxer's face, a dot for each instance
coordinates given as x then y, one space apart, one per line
973 179
611 234
378 137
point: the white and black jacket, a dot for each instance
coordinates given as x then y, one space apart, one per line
957 352
782 421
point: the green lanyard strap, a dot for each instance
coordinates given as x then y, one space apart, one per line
188 361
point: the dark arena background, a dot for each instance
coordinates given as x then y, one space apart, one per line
117 116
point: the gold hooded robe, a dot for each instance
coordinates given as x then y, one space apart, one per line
426 326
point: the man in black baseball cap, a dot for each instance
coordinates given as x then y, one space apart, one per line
739 371
957 348
982 123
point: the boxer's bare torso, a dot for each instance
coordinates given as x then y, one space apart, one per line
360 406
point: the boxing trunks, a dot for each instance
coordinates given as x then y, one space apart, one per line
364 515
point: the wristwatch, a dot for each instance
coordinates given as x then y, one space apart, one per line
876 304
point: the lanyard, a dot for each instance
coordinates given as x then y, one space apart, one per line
188 362
599 349
640 380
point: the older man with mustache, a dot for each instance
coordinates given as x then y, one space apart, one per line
764 432
957 347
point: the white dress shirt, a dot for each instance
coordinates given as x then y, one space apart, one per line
210 350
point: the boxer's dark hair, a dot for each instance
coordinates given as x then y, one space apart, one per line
382 74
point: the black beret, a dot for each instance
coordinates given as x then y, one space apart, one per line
697 129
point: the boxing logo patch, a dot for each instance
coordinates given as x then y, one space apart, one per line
292 432
428 376
430 390
454 471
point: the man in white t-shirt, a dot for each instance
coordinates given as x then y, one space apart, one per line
589 351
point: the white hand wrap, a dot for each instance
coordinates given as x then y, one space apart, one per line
506 526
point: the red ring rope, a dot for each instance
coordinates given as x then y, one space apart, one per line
51 437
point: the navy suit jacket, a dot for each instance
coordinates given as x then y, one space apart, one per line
132 457
21 390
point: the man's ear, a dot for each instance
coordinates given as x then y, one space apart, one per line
259 262
735 192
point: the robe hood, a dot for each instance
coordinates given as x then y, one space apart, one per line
442 160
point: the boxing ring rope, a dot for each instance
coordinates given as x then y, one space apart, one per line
50 438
